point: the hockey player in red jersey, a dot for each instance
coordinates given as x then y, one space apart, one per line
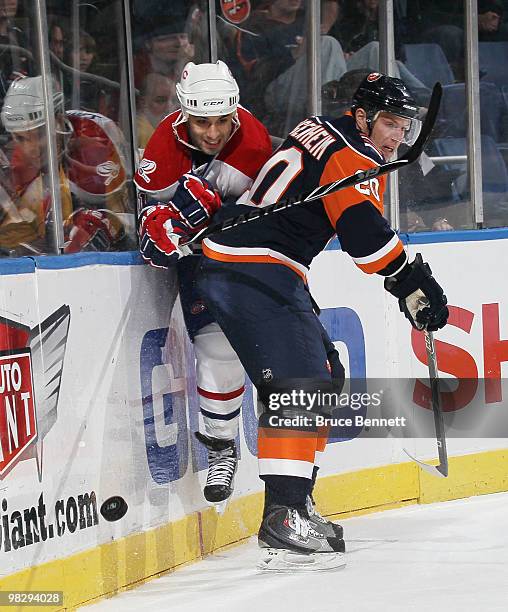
254 279
208 151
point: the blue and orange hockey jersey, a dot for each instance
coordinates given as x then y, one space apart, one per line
318 151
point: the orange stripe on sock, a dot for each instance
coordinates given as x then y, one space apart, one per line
323 433
300 446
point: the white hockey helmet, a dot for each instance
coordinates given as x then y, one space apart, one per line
207 90
23 107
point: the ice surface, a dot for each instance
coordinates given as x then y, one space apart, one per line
450 556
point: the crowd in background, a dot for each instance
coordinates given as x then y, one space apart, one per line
90 137
264 42
266 50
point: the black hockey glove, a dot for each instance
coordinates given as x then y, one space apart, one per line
421 298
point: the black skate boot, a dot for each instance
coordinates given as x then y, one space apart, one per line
222 464
290 544
320 524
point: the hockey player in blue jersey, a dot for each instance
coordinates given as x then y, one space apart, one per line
254 281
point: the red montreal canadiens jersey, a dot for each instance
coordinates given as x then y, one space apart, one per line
166 158
318 151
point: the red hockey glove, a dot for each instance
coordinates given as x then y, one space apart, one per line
92 230
160 232
195 200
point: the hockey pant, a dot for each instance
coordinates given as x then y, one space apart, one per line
267 315
220 376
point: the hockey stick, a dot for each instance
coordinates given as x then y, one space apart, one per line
441 469
411 155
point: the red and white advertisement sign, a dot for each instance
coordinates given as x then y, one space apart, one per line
18 422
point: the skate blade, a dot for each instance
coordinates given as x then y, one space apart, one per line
280 560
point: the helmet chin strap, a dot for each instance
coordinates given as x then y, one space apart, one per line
368 120
66 132
182 118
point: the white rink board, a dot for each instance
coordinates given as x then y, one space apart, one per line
470 280
127 401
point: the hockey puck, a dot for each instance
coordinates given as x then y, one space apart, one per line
114 508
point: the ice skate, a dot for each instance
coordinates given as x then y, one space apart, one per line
289 543
222 464
320 524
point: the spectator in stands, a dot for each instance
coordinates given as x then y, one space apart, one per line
426 199
359 25
81 89
56 39
15 58
92 171
157 99
57 50
272 53
166 49
271 50
490 21
357 31
83 57
330 12
442 23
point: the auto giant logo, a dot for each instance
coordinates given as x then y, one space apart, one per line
18 423
31 364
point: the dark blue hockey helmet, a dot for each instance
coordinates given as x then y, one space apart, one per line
381 93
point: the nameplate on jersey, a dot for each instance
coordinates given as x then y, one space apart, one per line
313 137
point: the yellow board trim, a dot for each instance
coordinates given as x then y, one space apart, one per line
476 474
122 564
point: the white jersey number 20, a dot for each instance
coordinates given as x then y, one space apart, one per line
274 178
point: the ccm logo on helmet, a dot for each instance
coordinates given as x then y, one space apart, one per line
370 187
214 103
